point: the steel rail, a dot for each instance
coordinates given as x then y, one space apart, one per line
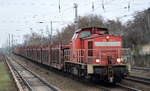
22 78
36 75
14 76
141 68
142 80
41 79
118 85
127 87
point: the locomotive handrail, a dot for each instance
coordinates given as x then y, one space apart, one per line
81 55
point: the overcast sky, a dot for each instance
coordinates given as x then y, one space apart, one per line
19 16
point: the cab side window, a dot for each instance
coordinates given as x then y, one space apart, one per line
74 36
103 32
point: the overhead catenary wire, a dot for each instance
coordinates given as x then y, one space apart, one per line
59 6
103 5
92 6
129 6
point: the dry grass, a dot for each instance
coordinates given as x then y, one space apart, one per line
6 81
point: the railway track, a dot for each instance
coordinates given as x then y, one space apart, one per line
118 87
141 68
32 81
145 81
128 88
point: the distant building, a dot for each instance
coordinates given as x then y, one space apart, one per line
145 49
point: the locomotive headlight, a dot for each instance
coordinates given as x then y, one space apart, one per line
97 60
107 37
118 60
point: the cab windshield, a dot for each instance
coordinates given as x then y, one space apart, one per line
85 34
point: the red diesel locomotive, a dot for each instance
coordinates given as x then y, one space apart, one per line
92 53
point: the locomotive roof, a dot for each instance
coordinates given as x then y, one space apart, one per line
86 28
